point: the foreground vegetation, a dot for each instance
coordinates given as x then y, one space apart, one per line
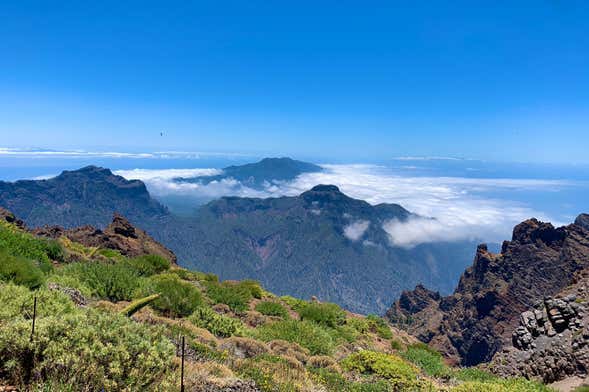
109 322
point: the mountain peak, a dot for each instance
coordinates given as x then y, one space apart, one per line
583 221
325 188
90 170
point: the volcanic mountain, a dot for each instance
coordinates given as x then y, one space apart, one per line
320 243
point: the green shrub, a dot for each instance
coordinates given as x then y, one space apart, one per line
20 270
235 296
328 314
115 282
178 298
400 373
396 345
379 326
502 385
359 324
88 350
305 333
149 264
474 374
270 308
253 287
193 276
69 281
17 302
16 242
335 382
215 323
427 359
295 304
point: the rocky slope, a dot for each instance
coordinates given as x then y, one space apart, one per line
120 235
551 342
478 319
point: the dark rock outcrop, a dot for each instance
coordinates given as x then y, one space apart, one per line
120 235
475 322
551 341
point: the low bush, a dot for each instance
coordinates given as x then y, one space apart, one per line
328 314
427 359
215 323
379 326
17 302
270 308
253 287
178 298
88 350
306 333
148 265
20 270
391 367
335 382
502 385
295 304
236 296
115 282
16 242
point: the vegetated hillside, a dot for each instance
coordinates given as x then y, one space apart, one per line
320 243
257 175
479 318
109 322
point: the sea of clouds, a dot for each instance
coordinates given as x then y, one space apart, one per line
463 208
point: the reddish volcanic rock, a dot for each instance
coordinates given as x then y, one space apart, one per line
478 319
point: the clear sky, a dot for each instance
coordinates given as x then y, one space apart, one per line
499 80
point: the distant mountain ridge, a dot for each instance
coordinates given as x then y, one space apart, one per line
257 174
320 243
88 196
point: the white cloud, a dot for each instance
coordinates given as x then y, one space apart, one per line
165 174
461 206
46 153
354 231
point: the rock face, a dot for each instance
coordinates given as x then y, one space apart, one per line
119 235
478 319
551 341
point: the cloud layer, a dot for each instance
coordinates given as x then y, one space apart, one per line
462 208
354 231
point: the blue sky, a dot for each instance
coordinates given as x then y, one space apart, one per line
495 80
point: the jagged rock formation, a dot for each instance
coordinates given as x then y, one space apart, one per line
10 218
475 322
552 339
120 235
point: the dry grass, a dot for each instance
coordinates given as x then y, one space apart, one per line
244 347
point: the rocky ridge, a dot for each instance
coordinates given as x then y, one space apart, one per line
551 341
120 235
478 319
